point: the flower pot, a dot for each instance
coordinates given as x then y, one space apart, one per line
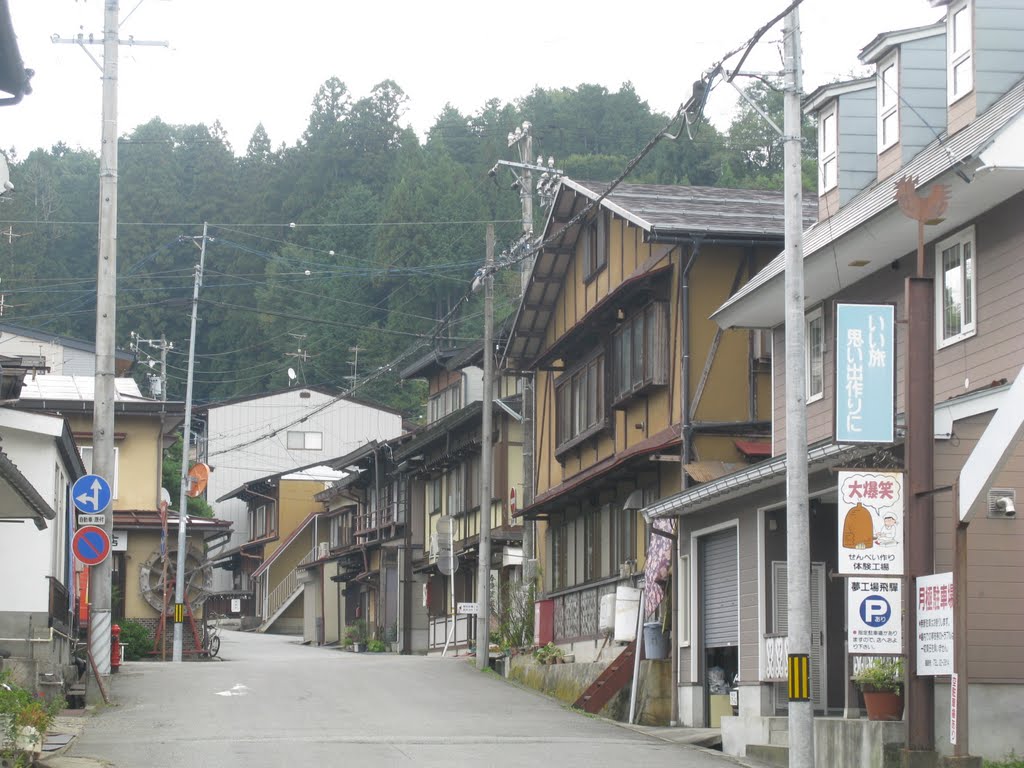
358 647
883 705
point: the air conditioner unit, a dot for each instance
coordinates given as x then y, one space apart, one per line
762 345
323 550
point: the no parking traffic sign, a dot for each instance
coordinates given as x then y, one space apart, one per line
91 545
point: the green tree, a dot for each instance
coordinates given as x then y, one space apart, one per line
171 478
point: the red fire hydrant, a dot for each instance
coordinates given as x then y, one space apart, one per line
115 648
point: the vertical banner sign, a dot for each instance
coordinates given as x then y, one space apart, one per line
875 615
865 373
954 689
870 523
935 624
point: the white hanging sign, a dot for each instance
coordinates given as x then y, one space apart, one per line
870 523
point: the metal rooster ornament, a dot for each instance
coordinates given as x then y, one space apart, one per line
924 210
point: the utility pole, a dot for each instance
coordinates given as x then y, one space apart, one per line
106 316
483 619
179 579
798 550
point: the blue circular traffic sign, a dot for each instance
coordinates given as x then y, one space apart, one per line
91 494
875 611
91 545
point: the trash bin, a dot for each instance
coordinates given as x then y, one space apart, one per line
656 645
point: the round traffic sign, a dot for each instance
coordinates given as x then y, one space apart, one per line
91 494
91 545
875 611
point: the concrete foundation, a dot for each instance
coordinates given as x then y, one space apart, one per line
566 682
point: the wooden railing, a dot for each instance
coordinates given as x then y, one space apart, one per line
441 626
368 524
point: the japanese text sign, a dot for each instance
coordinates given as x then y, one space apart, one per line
865 373
934 630
875 615
870 523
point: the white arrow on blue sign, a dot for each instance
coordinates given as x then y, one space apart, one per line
91 494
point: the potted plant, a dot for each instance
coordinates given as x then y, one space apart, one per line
549 654
881 683
355 635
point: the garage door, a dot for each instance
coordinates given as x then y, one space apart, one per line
719 589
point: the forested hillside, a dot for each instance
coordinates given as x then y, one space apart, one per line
347 245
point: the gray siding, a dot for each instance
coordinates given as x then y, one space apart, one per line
923 87
995 352
998 49
858 149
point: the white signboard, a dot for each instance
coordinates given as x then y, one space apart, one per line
875 615
870 523
236 605
468 608
934 629
119 541
99 520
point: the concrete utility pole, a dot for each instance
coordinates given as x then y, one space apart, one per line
179 579
524 141
106 319
483 619
798 550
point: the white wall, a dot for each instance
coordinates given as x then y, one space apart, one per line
238 451
28 555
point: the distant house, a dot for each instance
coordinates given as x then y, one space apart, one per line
38 465
57 354
247 438
282 512
143 428
443 461
945 105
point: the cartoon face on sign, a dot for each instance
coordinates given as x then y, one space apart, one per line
874 506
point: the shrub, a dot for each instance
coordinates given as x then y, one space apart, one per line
355 632
136 639
548 654
20 709
376 646
883 674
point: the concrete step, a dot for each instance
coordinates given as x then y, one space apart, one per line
772 754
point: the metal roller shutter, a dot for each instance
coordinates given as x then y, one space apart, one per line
719 589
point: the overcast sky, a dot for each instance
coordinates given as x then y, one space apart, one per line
248 61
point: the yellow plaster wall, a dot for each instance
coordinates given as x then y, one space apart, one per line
140 456
295 503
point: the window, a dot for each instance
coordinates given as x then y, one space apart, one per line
592 546
888 102
814 343
559 555
85 451
595 245
444 402
305 441
640 351
623 537
580 397
959 44
262 522
435 496
828 167
957 288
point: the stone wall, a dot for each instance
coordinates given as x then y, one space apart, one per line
566 682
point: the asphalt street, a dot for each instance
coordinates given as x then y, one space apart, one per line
275 702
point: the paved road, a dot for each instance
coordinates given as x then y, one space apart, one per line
274 702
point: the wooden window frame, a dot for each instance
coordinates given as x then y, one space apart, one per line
595 245
648 362
573 425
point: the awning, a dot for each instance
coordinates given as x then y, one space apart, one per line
19 500
706 471
760 449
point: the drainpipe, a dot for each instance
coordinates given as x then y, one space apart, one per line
685 429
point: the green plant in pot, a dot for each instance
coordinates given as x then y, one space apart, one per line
881 683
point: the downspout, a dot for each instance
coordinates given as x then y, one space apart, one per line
751 373
685 454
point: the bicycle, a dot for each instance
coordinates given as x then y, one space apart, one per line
211 636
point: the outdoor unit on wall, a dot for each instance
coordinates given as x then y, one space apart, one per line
323 550
762 346
433 548
1002 503
606 615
